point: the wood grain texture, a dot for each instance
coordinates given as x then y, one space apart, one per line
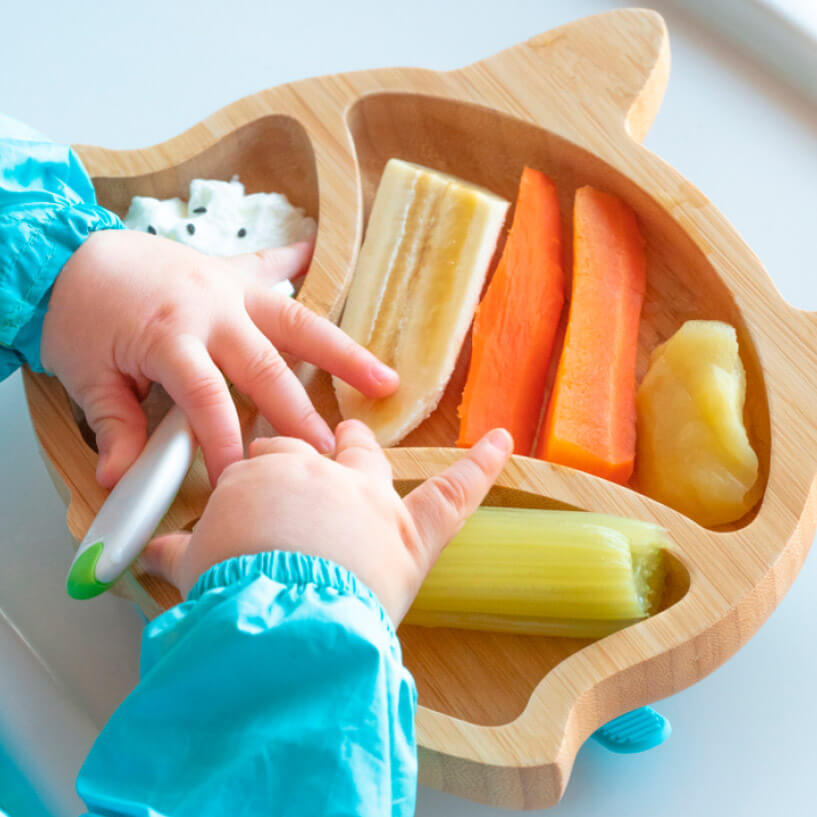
502 717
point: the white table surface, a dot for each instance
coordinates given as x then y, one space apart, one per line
127 75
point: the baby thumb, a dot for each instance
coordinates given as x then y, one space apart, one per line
164 555
117 419
441 504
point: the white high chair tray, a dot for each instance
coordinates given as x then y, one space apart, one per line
722 189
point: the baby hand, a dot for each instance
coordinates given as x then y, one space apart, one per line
130 308
288 497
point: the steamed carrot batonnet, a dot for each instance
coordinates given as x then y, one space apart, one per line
516 322
590 420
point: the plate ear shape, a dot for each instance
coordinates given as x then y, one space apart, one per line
611 69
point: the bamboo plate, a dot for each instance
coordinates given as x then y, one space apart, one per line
502 717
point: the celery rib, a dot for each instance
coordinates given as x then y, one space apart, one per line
560 573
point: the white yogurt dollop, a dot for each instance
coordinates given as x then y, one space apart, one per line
219 219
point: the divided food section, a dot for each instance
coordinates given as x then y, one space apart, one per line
271 153
681 282
502 716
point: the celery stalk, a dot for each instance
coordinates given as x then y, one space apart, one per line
561 573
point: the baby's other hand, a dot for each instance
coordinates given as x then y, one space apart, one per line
288 497
130 308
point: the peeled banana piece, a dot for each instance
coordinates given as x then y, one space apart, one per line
428 246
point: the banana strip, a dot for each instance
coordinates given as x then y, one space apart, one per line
421 269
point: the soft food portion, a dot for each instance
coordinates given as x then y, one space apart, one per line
428 246
219 218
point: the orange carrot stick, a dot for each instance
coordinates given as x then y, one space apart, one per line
516 322
590 420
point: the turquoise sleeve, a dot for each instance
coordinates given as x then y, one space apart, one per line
47 209
277 688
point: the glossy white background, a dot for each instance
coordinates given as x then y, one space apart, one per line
130 75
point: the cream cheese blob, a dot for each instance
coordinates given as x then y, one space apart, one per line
219 218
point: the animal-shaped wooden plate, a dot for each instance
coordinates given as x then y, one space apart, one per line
501 717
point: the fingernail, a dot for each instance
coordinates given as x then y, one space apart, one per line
326 444
500 439
384 375
102 472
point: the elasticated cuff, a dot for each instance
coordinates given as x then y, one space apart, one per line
290 569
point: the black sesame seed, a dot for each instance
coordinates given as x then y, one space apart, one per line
200 210
242 232
151 229
191 228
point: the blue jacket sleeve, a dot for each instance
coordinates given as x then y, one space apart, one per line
47 209
277 688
